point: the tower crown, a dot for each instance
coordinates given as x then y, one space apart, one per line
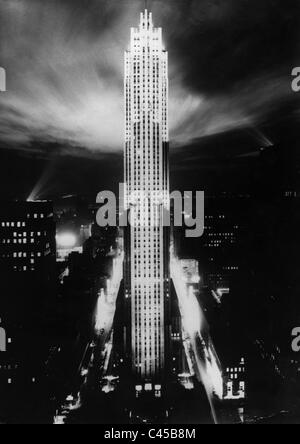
146 21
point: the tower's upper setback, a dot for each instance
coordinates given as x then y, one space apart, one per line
146 114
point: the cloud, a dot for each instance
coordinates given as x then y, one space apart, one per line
244 107
64 62
64 83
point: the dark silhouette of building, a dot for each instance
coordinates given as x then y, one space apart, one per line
27 288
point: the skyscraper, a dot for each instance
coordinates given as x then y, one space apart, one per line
146 196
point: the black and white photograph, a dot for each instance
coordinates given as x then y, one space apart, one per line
149 215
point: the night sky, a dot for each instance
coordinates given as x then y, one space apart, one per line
61 121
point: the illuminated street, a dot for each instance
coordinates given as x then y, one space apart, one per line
95 375
96 370
201 356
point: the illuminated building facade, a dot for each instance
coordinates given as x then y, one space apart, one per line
234 382
27 284
27 236
146 196
224 228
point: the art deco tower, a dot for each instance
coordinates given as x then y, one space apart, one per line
146 196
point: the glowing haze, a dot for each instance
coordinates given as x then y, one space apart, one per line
64 62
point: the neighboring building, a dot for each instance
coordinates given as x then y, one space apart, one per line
221 242
27 237
235 382
63 254
101 241
27 285
85 232
147 194
27 257
220 250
